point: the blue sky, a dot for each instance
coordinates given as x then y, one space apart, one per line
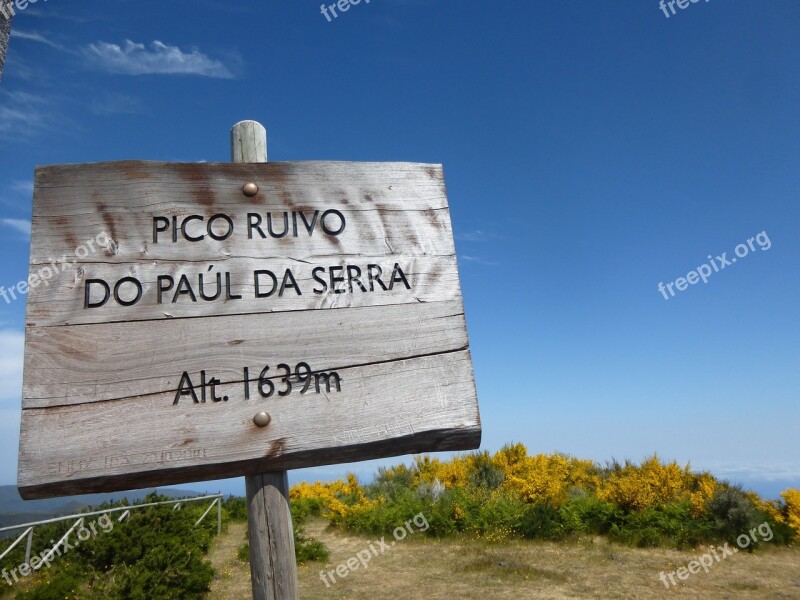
592 150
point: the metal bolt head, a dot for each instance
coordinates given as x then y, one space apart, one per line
250 189
262 419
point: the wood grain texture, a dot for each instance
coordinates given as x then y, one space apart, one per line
398 203
273 568
396 214
61 363
248 142
415 405
431 279
100 383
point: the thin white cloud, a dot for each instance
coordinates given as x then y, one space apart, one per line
159 59
775 471
14 119
23 186
477 235
12 345
22 68
476 259
21 114
117 104
14 191
52 13
20 225
35 37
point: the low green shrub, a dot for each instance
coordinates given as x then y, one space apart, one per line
304 508
586 514
243 552
67 582
309 549
235 509
672 525
731 513
542 522
156 553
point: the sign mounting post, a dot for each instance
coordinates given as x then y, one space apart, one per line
273 567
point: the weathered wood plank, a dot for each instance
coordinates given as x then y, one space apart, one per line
367 232
273 569
233 284
61 363
387 409
390 208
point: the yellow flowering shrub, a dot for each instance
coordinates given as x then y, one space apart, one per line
544 477
489 490
792 499
332 494
453 473
774 508
458 512
705 487
650 484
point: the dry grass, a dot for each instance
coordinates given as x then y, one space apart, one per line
233 577
446 569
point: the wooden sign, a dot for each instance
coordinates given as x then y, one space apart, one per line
198 321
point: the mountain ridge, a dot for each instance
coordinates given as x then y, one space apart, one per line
14 510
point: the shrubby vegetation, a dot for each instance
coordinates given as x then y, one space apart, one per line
552 497
307 549
155 553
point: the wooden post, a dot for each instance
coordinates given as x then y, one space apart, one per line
269 522
219 515
5 33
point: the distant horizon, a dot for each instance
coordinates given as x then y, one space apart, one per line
753 479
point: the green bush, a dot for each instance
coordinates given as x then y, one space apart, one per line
235 508
168 572
309 549
391 483
586 514
67 582
542 522
156 553
732 513
498 514
305 508
669 525
486 475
